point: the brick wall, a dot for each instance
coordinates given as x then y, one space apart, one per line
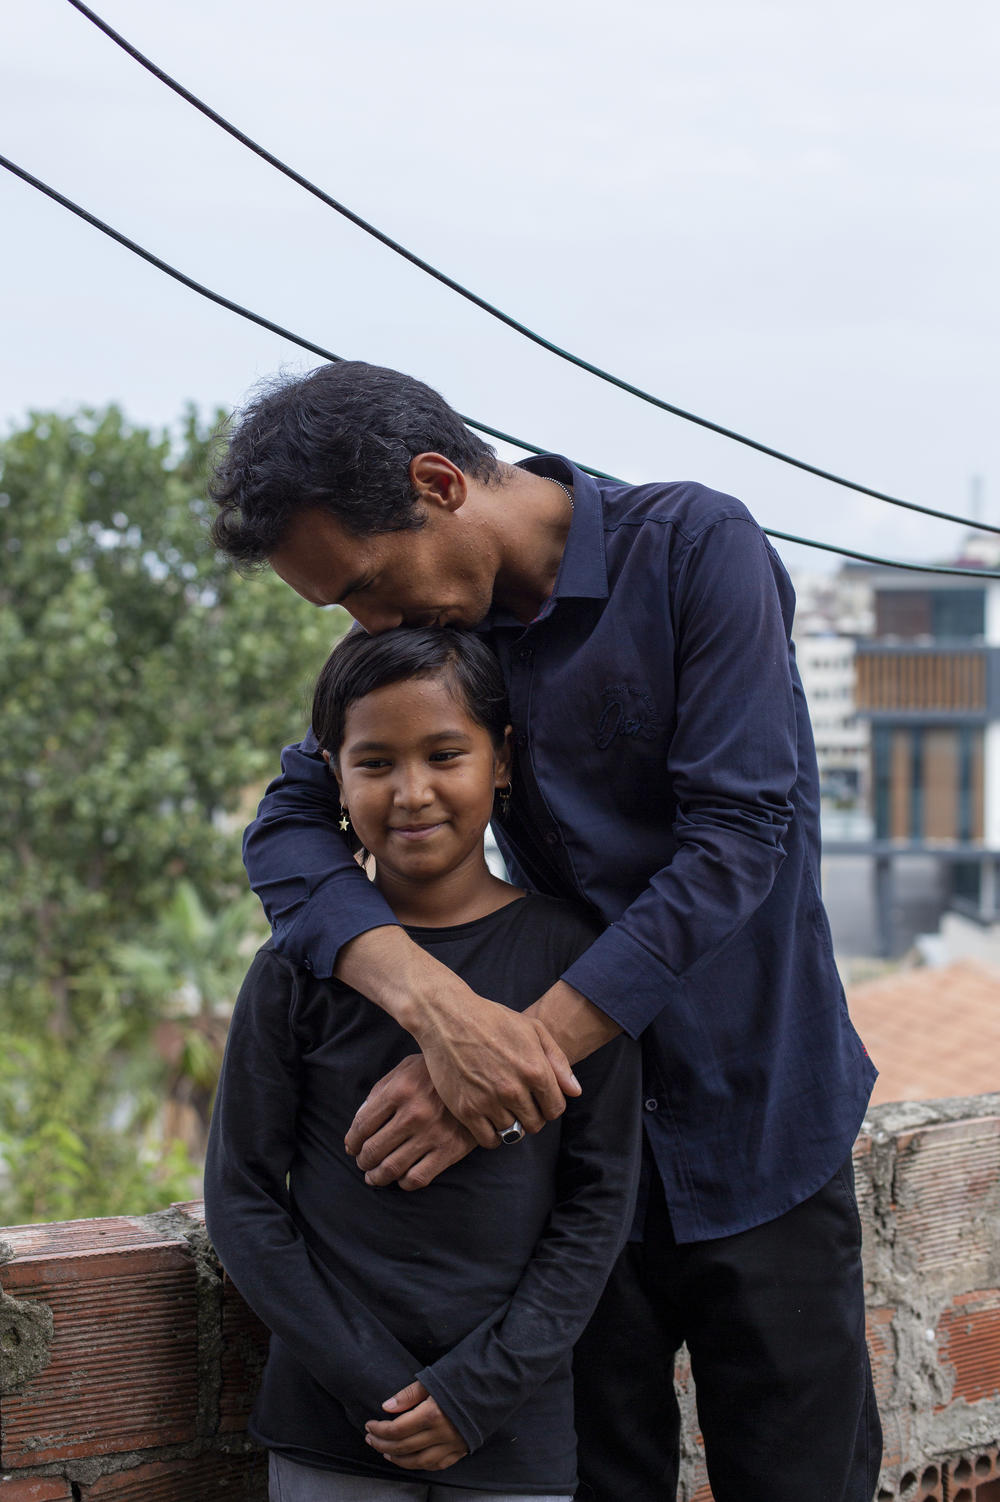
128 1363
928 1181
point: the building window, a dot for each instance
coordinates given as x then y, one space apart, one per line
941 614
958 613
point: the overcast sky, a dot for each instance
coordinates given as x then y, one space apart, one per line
780 215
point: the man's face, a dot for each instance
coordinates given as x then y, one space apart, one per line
439 574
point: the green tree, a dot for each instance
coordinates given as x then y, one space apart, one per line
188 971
146 688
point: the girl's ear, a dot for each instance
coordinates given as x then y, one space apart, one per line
332 767
504 759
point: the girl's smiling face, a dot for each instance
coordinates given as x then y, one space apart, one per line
418 776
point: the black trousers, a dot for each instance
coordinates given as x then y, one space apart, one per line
774 1321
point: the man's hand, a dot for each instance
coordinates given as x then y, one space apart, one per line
489 1065
421 1438
404 1133
492 1066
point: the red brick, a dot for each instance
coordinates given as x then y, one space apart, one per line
882 1350
684 1385
237 1477
932 1484
922 1483
60 1238
35 1489
193 1210
974 1477
682 1370
244 1351
123 1369
947 1192
244 1344
864 1189
968 1335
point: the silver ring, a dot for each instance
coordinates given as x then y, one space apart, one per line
510 1134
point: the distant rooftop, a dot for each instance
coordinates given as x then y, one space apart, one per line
932 1032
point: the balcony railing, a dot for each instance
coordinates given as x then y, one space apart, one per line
933 680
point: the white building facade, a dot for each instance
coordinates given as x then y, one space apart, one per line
826 666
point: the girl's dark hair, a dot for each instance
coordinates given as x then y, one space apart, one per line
339 439
359 664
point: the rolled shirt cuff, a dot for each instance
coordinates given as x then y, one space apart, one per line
621 977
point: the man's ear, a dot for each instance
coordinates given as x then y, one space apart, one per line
504 759
438 481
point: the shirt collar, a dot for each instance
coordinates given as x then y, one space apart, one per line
583 571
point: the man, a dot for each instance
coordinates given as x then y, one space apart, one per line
665 775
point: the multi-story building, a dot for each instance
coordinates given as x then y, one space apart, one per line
831 611
928 683
826 666
838 604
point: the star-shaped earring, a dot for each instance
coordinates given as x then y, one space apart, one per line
345 822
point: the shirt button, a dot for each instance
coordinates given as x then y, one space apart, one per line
522 741
525 653
551 837
652 1104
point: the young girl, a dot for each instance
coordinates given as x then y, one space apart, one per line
459 1302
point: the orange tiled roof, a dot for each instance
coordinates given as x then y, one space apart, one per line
931 1032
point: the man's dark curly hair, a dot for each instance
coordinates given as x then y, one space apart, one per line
339 439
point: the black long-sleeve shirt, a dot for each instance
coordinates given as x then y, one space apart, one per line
478 1285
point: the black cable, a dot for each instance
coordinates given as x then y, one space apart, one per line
488 307
917 568
225 302
481 427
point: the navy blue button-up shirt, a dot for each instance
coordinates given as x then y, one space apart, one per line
666 776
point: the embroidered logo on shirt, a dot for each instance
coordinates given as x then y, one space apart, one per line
626 710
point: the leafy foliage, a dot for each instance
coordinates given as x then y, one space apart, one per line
144 690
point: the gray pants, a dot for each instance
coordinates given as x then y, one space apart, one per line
291 1482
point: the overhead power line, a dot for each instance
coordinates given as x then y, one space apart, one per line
491 308
481 427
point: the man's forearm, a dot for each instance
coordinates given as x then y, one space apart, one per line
489 1065
385 965
578 1026
416 990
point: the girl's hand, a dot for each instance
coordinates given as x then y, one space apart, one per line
421 1439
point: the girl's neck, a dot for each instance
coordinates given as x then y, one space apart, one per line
470 891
